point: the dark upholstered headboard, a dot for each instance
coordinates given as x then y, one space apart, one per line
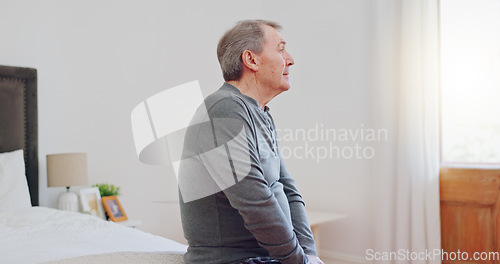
19 121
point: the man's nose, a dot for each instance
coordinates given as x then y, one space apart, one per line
288 59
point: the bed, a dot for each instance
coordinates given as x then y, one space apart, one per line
33 234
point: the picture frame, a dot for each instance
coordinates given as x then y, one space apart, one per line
114 208
91 202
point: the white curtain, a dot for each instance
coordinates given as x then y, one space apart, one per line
406 103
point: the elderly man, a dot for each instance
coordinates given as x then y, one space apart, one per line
238 202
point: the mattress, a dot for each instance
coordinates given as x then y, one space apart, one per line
45 235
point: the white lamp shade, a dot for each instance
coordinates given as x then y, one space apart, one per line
68 169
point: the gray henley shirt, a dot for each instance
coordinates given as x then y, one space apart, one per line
257 210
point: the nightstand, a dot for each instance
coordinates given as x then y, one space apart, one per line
130 223
317 218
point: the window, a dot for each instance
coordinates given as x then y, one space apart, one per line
470 81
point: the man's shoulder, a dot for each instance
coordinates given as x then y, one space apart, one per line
225 100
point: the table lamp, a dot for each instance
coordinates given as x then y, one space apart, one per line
67 169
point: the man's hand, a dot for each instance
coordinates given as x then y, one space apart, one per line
314 260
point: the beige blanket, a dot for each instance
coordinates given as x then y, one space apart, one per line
124 258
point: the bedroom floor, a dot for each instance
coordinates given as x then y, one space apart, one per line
330 261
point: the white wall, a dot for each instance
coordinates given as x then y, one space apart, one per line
97 59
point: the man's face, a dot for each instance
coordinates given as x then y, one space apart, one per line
275 62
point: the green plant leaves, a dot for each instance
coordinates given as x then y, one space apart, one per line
106 189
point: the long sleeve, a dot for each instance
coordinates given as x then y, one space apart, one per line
300 221
297 210
235 203
251 194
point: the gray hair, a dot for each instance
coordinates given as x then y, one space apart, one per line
245 35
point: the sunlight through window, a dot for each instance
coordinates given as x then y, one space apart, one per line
470 81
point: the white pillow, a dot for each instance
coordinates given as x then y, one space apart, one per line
14 193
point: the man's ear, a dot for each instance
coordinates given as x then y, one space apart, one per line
250 60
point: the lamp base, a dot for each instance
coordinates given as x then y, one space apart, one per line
68 201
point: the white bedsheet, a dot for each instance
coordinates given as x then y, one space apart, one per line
38 234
